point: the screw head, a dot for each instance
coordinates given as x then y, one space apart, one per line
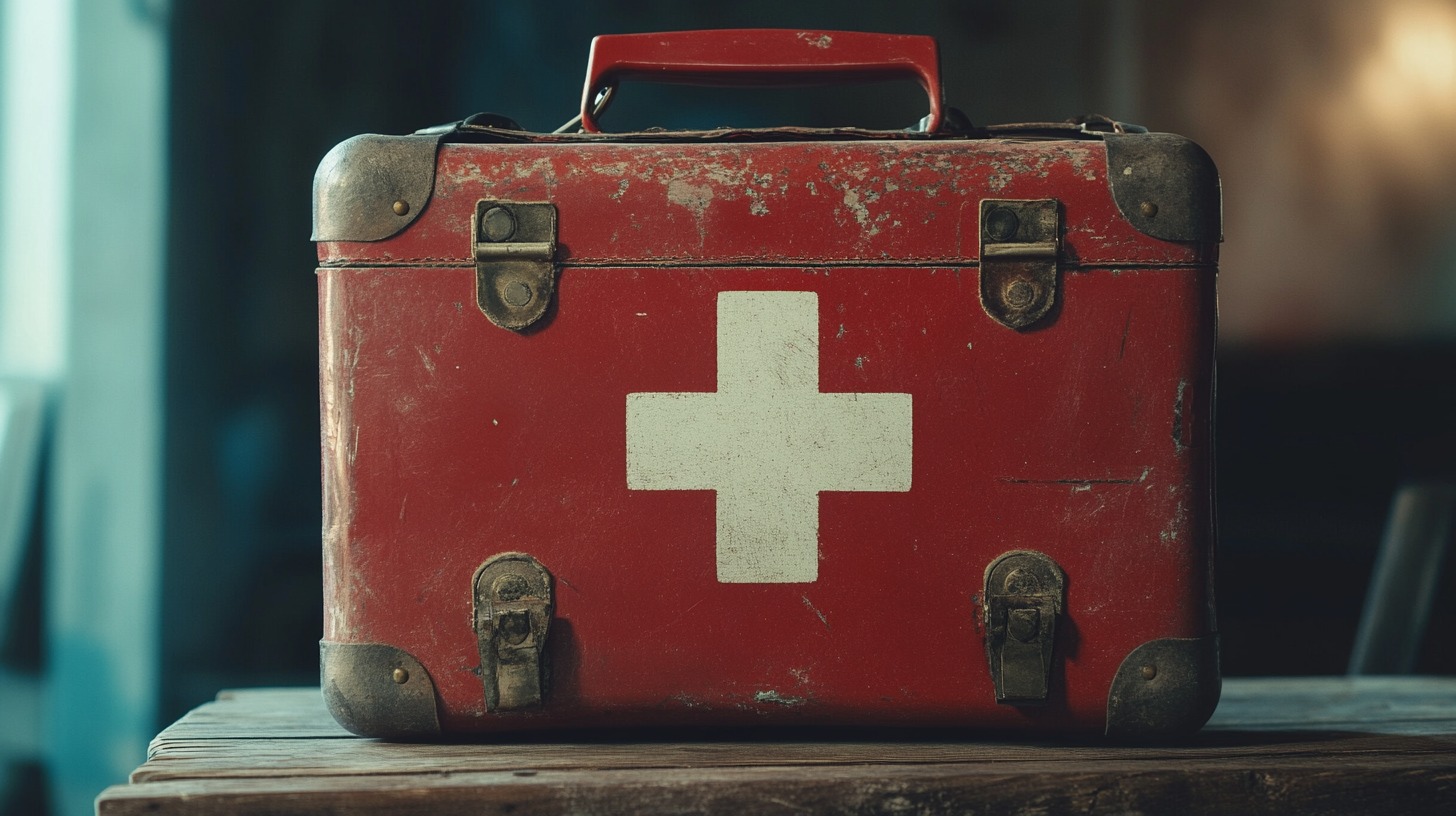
1148 209
1001 224
1149 672
401 207
516 294
497 224
1020 294
400 676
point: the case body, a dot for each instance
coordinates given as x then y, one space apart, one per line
751 341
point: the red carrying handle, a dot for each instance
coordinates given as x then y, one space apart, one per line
759 56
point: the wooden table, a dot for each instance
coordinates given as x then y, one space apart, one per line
1287 745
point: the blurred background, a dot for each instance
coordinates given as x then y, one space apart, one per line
159 471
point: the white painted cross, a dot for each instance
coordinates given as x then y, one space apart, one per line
768 441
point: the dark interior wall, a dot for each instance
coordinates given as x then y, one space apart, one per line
260 91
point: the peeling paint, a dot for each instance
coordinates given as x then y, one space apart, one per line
695 198
816 40
1179 444
860 212
772 696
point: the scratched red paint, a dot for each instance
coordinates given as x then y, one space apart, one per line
448 440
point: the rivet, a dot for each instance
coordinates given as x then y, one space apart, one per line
400 676
517 294
1001 224
1149 672
497 224
401 207
1020 294
1148 209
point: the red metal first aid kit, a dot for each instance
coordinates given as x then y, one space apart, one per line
780 426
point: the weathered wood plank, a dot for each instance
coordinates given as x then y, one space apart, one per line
210 759
1380 745
1036 789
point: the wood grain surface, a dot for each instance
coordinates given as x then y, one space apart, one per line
1279 745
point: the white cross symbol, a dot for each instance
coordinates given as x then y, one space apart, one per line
768 441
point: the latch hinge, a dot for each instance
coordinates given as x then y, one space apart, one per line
512 618
1025 593
514 247
1020 245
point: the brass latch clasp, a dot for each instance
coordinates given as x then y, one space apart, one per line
514 247
1025 594
1020 244
512 618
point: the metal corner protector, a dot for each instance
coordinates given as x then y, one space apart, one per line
1165 688
1166 186
378 690
371 187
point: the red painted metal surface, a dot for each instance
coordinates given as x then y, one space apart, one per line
448 440
846 202
761 57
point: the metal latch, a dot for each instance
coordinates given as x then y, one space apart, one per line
1025 592
512 616
514 246
1020 244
